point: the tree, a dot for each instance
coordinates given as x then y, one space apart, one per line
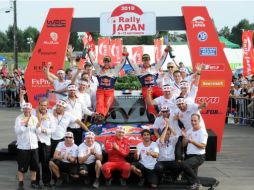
236 32
225 31
9 34
3 40
30 32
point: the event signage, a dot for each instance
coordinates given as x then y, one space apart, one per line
127 20
248 54
214 85
50 47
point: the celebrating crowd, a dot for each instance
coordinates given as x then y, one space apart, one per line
54 136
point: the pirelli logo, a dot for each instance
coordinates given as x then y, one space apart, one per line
213 83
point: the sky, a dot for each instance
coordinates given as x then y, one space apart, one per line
34 12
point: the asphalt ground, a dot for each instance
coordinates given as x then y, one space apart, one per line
234 167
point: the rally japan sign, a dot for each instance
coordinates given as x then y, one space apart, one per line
127 20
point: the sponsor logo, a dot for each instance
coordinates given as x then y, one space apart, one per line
202 36
53 39
211 112
37 97
56 23
43 53
214 67
127 19
213 83
40 82
39 68
208 51
198 22
209 100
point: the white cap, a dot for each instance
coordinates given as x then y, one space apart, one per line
167 88
180 101
120 129
68 134
72 87
60 71
89 134
164 108
27 106
184 84
61 103
83 82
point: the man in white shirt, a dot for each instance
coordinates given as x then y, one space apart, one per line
167 78
27 145
89 158
196 140
176 85
146 153
166 160
168 98
44 130
77 108
65 158
182 115
62 120
93 84
60 84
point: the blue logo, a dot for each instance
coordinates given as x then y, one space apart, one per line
202 36
37 97
208 51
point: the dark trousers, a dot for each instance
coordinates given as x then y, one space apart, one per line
53 146
77 133
190 167
44 156
167 166
179 149
150 176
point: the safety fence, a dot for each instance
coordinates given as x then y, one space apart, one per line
240 111
9 98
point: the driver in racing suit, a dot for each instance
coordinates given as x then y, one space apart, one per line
106 75
117 148
147 74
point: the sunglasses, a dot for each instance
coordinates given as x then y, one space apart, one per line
170 67
164 111
68 137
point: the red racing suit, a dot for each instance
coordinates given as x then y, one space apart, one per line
116 158
106 79
148 77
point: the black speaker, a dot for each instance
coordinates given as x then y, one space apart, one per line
211 147
12 147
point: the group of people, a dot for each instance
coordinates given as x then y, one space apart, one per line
55 136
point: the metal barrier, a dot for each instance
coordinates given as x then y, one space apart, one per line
240 111
9 98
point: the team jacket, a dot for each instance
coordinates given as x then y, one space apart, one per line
117 155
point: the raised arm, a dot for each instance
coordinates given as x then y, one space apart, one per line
163 58
123 61
92 59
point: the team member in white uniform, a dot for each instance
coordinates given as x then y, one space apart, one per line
184 112
60 84
167 78
90 157
167 143
196 140
77 108
147 153
27 145
93 82
44 130
167 99
65 158
176 85
62 120
161 121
